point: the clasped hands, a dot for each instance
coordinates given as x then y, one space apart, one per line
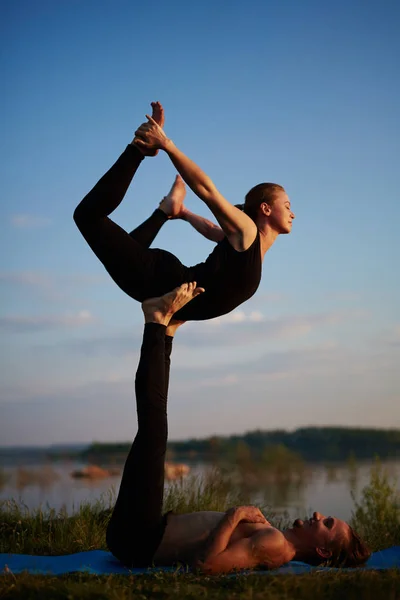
249 514
150 136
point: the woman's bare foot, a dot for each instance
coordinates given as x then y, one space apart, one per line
159 117
173 326
172 204
158 113
160 310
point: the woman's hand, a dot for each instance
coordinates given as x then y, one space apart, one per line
150 136
159 117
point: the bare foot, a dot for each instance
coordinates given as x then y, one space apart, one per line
160 310
158 113
172 204
173 326
159 117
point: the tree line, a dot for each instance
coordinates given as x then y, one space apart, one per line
312 444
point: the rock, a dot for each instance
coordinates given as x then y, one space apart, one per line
93 472
175 471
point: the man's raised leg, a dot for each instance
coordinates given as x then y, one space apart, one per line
136 525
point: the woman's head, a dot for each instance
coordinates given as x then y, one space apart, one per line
271 201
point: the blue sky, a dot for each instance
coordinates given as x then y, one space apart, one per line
303 94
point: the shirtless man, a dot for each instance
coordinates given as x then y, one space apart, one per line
139 535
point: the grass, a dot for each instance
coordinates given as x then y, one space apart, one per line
329 586
376 517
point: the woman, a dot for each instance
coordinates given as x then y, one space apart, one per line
232 272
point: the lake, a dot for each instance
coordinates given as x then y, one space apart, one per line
326 489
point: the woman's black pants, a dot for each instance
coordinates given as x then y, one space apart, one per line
140 271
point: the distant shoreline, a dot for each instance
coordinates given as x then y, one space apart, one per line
311 444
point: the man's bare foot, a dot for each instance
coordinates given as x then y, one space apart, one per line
159 117
172 204
160 310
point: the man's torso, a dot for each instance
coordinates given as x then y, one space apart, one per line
186 535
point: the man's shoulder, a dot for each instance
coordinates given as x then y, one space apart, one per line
271 548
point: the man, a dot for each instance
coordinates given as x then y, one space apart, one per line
241 538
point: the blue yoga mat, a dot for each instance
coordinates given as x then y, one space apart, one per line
100 562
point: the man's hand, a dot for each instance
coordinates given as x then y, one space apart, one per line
150 136
250 514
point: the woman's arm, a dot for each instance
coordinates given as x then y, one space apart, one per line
207 228
237 226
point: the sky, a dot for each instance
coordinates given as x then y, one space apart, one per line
304 94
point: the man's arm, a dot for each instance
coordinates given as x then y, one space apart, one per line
214 555
266 548
207 228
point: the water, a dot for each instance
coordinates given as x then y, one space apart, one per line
54 488
324 489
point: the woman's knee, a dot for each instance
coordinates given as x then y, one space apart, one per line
79 217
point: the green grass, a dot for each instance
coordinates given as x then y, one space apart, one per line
327 586
376 517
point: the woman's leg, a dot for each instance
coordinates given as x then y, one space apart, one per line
109 191
119 253
136 525
146 232
170 207
139 272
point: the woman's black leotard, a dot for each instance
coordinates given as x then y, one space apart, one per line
229 277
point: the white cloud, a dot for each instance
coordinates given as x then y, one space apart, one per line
241 328
41 279
313 386
234 330
51 286
36 279
224 381
389 337
26 221
394 336
23 324
238 316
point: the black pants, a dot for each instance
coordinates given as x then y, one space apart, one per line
139 271
137 524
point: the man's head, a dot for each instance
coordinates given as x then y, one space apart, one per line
269 203
329 540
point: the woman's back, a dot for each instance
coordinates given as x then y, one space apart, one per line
229 278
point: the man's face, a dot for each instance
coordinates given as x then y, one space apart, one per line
281 214
320 532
